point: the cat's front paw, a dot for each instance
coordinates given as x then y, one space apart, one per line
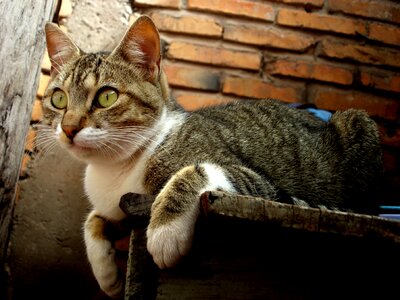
101 255
168 243
105 269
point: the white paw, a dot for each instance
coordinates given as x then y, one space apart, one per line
101 255
169 243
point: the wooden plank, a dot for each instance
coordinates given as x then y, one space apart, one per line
281 214
241 259
305 218
22 43
248 240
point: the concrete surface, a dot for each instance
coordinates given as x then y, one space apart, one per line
48 259
98 25
47 255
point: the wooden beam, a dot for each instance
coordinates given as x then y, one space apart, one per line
143 281
22 44
280 214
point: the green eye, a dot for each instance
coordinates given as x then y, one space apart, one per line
59 99
107 97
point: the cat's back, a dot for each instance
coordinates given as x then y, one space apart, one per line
242 112
251 132
299 153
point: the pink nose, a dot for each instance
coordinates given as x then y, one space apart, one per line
70 131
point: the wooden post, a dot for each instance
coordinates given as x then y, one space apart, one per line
22 44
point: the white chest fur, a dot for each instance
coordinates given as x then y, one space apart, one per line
106 183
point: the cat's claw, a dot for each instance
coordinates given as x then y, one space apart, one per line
169 243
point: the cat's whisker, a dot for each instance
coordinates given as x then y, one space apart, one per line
42 143
145 138
44 151
107 149
58 68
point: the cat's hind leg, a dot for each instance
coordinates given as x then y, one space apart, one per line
101 255
176 209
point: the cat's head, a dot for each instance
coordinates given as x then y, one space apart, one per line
105 106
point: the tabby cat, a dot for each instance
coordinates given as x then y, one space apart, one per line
114 112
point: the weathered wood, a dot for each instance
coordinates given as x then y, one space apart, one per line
304 218
246 242
141 275
253 248
22 46
283 215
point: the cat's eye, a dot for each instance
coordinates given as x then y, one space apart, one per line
59 99
107 97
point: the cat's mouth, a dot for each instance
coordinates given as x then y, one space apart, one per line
79 146
79 150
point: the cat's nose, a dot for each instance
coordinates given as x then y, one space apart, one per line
70 131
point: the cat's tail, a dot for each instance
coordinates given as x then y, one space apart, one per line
360 142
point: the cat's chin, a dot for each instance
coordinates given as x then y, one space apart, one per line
89 155
80 152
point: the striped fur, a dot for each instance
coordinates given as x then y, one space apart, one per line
145 143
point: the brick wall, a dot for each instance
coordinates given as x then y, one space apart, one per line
336 54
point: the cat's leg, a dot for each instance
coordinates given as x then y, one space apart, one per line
176 208
101 255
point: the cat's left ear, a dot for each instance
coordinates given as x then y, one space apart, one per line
60 47
141 46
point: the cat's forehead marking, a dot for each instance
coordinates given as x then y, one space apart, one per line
90 81
87 71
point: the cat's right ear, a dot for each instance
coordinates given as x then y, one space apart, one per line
60 47
141 46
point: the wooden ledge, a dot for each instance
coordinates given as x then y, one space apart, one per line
243 244
276 213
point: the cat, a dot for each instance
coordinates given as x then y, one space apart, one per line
114 112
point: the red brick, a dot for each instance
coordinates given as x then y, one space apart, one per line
37 111
379 79
256 88
384 33
192 101
30 140
244 8
315 3
159 3
310 70
268 37
23 171
302 19
390 160
362 53
46 64
383 10
389 136
215 56
43 83
334 99
192 77
192 25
